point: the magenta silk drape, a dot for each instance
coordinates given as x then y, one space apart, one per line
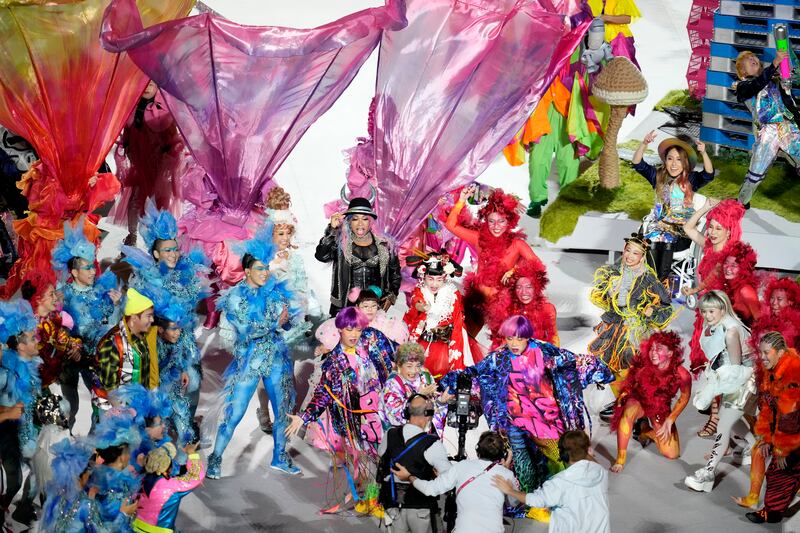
454 87
243 96
69 98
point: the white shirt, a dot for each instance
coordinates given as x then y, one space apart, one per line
480 504
577 498
435 455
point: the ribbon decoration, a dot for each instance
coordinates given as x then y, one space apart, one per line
242 97
69 98
452 90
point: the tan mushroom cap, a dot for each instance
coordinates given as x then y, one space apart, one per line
620 83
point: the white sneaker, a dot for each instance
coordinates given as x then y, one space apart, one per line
701 481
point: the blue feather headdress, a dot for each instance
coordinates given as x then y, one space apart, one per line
146 403
74 244
71 457
16 316
157 225
169 307
116 428
261 246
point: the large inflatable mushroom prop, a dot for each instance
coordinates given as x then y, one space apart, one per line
620 84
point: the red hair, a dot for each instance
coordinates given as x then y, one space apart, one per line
728 214
789 286
34 286
746 258
532 270
652 387
505 204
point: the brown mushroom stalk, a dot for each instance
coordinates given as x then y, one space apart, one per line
620 84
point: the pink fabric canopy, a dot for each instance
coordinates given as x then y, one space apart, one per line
454 87
242 97
69 98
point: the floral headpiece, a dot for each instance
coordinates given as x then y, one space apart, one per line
16 316
74 244
435 264
157 225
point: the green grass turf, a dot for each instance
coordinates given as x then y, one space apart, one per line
677 97
780 193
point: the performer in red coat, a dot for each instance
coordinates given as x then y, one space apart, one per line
435 316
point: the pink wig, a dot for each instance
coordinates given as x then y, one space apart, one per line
351 317
517 326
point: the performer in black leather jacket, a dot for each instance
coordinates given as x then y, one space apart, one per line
360 258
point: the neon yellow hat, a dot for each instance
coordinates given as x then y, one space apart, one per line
136 302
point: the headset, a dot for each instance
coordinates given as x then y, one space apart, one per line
406 410
503 438
563 454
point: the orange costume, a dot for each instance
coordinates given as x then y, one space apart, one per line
778 426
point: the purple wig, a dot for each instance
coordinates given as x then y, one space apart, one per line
351 317
517 326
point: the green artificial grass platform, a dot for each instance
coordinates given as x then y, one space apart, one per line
677 98
780 193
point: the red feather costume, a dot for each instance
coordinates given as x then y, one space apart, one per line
539 311
786 320
729 214
496 255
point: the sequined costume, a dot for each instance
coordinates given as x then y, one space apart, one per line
395 394
260 353
158 507
351 382
91 309
292 271
20 383
624 294
55 346
188 283
775 117
115 488
358 266
68 507
511 390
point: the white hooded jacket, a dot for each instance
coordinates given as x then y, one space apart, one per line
577 498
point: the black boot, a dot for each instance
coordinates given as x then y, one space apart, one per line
759 517
608 412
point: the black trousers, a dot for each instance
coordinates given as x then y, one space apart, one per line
11 458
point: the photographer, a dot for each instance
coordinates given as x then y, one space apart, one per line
479 502
577 496
407 509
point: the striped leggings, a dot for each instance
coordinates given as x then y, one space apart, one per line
782 485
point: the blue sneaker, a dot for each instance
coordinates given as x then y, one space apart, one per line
286 467
214 466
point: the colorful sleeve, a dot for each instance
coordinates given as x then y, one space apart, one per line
195 472
601 291
321 398
392 403
106 363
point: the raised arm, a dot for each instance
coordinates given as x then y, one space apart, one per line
452 225
690 227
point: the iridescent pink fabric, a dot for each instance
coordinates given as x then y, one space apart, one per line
454 87
69 98
243 96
